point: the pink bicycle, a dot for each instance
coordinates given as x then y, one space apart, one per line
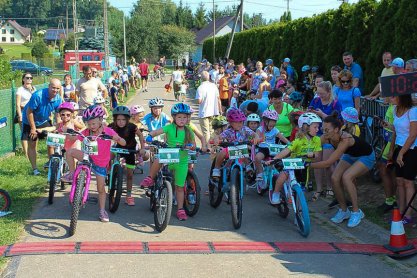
82 176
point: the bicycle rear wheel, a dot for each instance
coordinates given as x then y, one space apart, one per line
163 206
302 215
77 201
235 199
192 187
215 189
115 188
5 200
53 178
162 75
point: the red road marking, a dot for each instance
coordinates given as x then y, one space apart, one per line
178 246
239 246
2 249
362 248
111 247
42 247
305 247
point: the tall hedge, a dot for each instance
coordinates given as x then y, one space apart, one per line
367 29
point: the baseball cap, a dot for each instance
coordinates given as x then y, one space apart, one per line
269 62
397 62
287 60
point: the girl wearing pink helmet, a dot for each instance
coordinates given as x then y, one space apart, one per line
137 113
268 134
237 132
93 116
66 113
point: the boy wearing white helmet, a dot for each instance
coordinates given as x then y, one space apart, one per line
306 143
252 121
156 119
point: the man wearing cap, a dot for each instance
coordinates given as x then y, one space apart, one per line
288 68
388 70
272 70
355 68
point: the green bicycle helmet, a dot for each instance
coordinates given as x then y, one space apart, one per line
219 122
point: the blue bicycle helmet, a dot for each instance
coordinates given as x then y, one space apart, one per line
180 108
305 68
296 96
315 69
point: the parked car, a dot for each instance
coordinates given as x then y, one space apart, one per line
28 66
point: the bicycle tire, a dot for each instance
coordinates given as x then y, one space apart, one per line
115 188
192 186
163 206
215 192
53 179
301 214
64 170
76 203
5 200
282 207
234 197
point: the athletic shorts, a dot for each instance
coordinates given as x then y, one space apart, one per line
144 77
180 172
130 160
409 170
225 102
99 171
367 160
26 131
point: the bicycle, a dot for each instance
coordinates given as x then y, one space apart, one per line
292 194
231 180
192 187
57 163
269 171
82 176
159 74
115 178
5 200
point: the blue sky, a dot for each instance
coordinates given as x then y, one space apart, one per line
270 9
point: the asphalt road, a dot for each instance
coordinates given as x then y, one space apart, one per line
261 222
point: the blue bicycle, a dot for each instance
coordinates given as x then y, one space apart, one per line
231 180
5 200
57 163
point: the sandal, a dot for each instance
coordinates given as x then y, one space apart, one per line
316 196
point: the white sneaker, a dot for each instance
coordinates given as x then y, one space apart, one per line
276 198
340 216
216 173
260 176
36 172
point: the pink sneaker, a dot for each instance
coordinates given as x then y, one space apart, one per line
130 201
147 182
181 215
68 177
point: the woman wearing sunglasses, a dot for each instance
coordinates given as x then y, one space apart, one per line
346 94
23 95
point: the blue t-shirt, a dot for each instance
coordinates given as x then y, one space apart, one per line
262 105
290 72
42 107
327 108
347 97
154 124
357 73
113 93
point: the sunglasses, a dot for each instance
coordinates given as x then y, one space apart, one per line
29 77
345 81
65 114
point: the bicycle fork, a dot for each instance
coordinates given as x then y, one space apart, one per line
87 180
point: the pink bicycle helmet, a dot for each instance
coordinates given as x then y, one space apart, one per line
136 109
66 106
235 115
92 112
270 115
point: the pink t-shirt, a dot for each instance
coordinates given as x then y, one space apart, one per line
69 143
144 69
103 157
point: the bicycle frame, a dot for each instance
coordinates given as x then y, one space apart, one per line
85 165
288 187
57 155
234 163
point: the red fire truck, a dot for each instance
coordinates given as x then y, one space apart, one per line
92 58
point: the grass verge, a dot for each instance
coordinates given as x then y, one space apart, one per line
24 189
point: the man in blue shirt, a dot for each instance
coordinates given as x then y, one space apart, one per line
355 69
271 70
37 115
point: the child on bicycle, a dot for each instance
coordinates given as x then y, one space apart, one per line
267 133
253 121
156 119
66 111
307 143
137 112
177 133
237 132
219 125
93 116
351 119
128 131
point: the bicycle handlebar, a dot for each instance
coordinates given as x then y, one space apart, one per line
102 136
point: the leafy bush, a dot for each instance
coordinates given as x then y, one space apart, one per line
7 74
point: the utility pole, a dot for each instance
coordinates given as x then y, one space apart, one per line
106 36
229 45
214 33
66 20
241 15
75 21
288 6
124 38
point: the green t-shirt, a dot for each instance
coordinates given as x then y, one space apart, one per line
283 124
302 146
176 137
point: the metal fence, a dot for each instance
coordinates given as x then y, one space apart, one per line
370 109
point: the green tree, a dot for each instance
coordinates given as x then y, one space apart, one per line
39 49
174 41
285 17
200 17
169 13
70 43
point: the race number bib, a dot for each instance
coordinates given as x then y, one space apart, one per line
55 140
237 152
293 163
89 147
192 157
274 149
169 155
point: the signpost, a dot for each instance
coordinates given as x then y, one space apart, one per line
399 84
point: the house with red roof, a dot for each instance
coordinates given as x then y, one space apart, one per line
13 32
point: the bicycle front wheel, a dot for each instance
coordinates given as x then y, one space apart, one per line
77 201
163 206
53 179
235 199
302 215
5 200
215 189
192 194
116 188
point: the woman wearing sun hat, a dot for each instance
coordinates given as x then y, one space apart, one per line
351 119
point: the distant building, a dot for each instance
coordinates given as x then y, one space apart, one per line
224 26
53 35
12 32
